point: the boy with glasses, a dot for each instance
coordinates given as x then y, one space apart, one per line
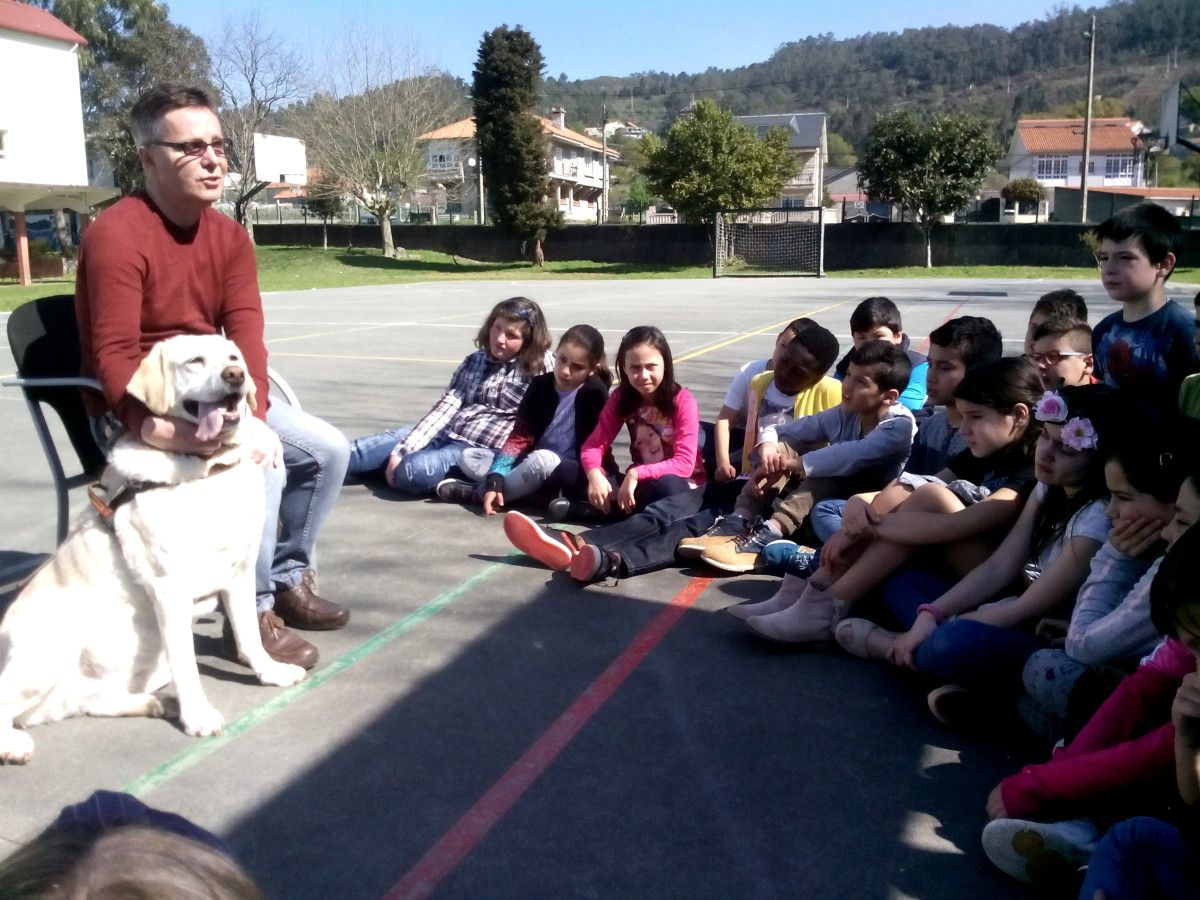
1062 352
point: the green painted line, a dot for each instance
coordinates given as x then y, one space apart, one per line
277 704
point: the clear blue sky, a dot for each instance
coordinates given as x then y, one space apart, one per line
588 38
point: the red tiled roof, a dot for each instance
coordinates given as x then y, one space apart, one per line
464 129
30 20
1066 135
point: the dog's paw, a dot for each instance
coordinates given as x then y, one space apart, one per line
201 720
16 747
168 706
280 674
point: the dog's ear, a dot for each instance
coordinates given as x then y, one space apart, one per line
152 384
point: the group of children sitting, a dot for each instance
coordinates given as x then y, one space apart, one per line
1015 528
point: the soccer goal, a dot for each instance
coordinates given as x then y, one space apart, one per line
770 242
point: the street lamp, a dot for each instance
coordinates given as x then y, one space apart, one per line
477 165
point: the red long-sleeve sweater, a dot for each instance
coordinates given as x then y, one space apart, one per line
142 279
1129 741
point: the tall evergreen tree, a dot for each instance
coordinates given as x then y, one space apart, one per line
514 151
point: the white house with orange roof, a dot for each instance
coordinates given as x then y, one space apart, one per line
43 162
576 166
1051 151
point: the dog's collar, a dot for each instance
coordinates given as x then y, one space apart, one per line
106 502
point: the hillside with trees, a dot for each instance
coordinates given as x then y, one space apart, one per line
990 72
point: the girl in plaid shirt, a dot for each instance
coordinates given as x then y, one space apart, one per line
477 410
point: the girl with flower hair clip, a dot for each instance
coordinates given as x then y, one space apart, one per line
972 644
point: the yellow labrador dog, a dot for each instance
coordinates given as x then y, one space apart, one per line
105 627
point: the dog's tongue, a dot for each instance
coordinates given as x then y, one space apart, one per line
211 421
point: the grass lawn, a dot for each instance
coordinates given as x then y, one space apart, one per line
304 268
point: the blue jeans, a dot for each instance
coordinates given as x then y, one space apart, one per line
1140 857
299 498
978 655
419 471
826 518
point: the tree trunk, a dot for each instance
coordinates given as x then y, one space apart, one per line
927 227
324 235
63 232
385 231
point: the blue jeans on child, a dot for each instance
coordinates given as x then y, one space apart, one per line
419 471
962 651
1140 857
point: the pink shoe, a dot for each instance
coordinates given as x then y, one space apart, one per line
810 619
862 638
789 592
533 540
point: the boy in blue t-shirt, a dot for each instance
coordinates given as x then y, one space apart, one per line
1146 348
878 319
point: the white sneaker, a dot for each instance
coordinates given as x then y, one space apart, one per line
1039 851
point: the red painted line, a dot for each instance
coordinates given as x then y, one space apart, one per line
924 348
454 846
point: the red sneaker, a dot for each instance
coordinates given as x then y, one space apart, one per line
533 540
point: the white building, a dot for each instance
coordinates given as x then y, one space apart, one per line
43 162
807 142
576 166
1051 151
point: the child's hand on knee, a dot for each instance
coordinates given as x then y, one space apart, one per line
903 652
625 496
599 490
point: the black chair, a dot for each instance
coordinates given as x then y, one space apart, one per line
44 338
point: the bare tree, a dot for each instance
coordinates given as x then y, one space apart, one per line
256 75
363 127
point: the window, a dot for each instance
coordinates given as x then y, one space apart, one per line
445 160
1119 166
1052 166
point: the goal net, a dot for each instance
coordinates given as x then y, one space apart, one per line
770 242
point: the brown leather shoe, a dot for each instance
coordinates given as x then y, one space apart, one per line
281 645
300 607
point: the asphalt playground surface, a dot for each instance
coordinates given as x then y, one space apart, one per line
485 728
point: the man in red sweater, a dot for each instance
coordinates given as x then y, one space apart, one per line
163 262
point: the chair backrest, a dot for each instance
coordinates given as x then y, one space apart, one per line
44 338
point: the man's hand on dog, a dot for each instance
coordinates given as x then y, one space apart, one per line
179 436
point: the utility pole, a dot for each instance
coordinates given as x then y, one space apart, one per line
1087 124
602 212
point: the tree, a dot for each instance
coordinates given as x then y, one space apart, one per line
640 200
841 154
514 150
325 200
364 129
932 168
1023 191
711 161
256 75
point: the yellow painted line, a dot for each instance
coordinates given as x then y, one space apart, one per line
749 334
417 359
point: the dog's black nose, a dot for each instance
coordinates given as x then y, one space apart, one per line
233 376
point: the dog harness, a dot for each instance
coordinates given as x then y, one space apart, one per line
106 503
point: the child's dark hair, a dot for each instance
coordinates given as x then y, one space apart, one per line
1002 385
876 312
1096 403
890 366
1077 332
1156 456
797 326
820 342
1061 304
535 335
1174 601
976 339
1156 229
628 399
591 342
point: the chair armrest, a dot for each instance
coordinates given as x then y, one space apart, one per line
87 383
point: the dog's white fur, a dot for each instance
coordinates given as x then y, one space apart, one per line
105 627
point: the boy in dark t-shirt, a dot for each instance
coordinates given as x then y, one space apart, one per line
1146 348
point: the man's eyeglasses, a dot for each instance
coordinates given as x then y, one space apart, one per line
1054 357
196 147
